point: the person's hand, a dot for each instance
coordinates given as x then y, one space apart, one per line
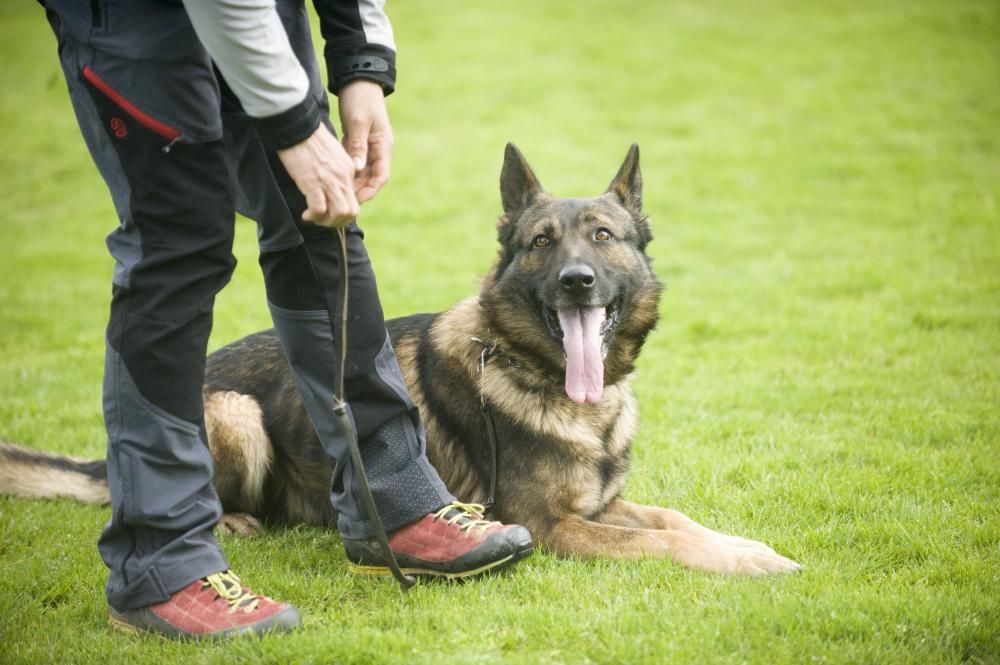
324 173
367 135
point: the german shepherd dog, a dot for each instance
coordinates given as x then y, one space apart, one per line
524 391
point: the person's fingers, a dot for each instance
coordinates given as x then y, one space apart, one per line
367 191
373 178
315 204
356 143
357 124
364 120
347 211
330 201
325 174
338 209
376 174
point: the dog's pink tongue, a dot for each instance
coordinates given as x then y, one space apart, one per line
582 343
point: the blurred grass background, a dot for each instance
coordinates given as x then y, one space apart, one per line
823 179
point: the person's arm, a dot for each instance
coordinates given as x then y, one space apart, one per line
360 54
250 47
359 43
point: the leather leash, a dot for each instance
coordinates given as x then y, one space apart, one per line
490 350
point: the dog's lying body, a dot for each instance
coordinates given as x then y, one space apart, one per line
547 347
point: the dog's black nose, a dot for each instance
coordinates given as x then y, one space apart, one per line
577 278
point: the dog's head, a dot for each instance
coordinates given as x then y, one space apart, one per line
572 290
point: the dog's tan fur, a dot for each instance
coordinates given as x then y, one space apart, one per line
241 449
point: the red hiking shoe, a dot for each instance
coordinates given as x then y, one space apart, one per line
453 542
215 606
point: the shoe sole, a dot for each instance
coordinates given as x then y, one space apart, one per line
493 566
285 621
123 627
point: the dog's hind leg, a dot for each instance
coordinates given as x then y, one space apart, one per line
239 524
242 456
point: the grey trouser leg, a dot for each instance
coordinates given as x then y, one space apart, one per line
147 104
301 264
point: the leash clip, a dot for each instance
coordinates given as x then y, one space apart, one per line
487 353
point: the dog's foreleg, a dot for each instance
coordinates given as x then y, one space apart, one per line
576 536
625 513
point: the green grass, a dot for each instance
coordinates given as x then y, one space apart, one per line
824 182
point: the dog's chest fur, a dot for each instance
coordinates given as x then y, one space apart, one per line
580 452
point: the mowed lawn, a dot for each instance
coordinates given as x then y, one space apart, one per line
824 183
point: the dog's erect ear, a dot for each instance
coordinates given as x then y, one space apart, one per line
518 185
627 185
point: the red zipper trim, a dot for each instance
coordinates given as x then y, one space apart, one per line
166 131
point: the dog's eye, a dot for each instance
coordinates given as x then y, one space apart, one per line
603 235
541 240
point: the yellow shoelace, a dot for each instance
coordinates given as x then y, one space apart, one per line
227 585
470 512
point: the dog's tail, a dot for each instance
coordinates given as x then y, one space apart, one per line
33 474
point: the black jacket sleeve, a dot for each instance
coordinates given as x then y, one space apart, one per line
359 43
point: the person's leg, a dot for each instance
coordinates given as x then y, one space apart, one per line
301 265
153 128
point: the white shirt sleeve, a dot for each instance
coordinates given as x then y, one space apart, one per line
249 45
376 25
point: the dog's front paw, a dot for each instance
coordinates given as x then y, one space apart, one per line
745 543
239 524
726 554
755 562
